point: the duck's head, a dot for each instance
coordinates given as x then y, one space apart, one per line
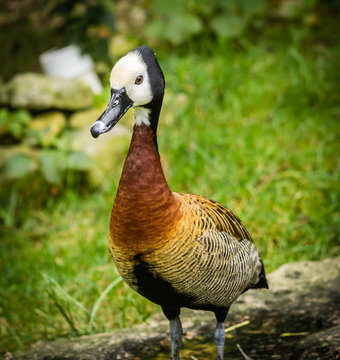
136 81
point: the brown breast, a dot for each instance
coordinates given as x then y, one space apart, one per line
145 211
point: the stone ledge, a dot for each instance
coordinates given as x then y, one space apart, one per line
299 318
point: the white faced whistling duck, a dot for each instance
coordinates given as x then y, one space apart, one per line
177 250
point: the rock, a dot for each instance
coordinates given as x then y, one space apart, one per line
107 154
41 92
311 346
297 319
44 129
85 118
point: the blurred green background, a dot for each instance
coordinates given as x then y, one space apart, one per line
250 119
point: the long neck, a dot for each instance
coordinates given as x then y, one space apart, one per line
144 206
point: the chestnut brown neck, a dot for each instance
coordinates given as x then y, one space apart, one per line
144 207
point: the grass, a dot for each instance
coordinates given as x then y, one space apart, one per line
255 128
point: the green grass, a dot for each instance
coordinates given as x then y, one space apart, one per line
255 128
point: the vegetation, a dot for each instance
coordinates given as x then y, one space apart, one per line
29 28
251 123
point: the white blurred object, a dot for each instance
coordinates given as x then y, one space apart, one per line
70 63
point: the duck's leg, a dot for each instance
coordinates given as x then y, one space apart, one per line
219 340
176 331
219 336
175 337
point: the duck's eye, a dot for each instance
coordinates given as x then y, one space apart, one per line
139 79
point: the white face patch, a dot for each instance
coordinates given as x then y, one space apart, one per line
124 74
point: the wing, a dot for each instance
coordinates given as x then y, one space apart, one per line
229 227
220 260
222 218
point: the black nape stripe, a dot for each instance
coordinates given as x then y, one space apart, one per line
157 84
155 72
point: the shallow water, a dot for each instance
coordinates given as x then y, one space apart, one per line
267 337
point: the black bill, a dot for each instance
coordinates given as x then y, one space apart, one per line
119 104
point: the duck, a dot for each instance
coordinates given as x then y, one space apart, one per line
177 250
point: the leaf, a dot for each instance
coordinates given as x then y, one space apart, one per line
173 8
14 122
18 166
155 29
100 299
287 334
175 29
236 326
79 161
183 27
228 26
4 115
251 7
52 164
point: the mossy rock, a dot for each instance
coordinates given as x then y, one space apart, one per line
41 92
85 118
107 155
44 129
